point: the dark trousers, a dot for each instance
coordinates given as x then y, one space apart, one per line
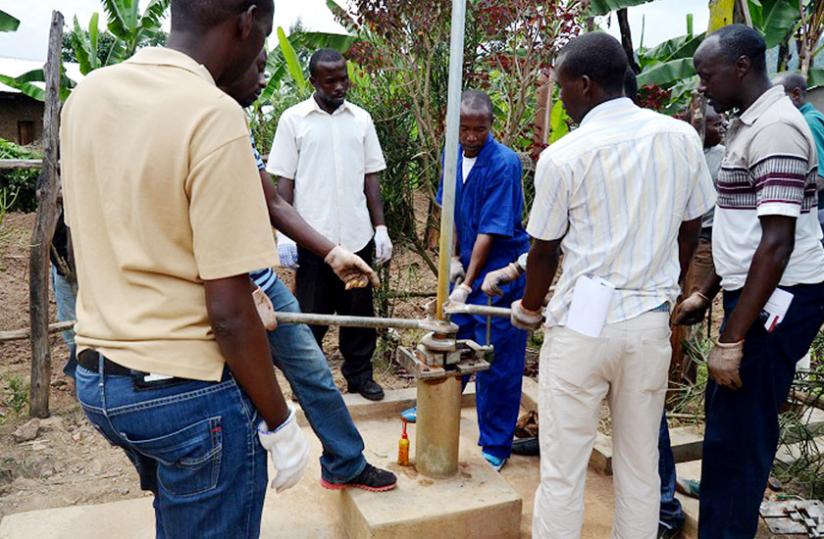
670 514
320 291
742 426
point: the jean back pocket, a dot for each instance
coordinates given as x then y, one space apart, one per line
188 460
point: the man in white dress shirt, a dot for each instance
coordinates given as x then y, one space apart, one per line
326 157
623 196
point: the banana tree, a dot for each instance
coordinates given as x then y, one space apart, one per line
132 27
287 64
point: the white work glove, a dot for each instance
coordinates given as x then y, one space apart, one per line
383 245
525 319
691 310
288 449
265 309
287 251
456 269
724 363
460 293
493 279
351 269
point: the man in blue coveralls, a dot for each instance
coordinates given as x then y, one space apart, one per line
489 234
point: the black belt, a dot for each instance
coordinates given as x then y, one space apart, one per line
88 359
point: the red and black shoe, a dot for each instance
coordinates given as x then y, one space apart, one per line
371 479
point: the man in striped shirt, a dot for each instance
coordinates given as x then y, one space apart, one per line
765 237
623 197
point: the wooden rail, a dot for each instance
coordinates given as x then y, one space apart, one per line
20 164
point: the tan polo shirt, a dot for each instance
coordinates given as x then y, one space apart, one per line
161 193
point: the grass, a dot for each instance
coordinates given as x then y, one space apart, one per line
16 394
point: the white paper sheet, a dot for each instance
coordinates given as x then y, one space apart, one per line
777 307
591 300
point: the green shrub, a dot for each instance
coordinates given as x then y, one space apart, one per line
21 183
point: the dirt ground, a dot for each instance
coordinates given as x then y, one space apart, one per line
68 462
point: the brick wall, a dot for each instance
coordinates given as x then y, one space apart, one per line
15 108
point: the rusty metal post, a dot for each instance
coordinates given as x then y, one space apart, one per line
439 401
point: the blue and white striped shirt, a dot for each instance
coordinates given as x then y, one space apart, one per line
617 190
264 278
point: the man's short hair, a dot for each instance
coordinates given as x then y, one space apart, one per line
477 101
737 40
323 56
599 56
792 81
631 85
204 14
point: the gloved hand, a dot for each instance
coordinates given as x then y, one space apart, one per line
265 309
691 310
456 269
523 318
724 362
351 269
287 251
460 293
383 245
288 449
493 279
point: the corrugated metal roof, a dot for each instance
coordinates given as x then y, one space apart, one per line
14 67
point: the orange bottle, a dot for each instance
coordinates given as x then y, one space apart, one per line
403 448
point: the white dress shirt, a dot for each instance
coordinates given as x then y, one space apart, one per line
617 190
327 156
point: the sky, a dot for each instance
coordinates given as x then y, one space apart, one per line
664 19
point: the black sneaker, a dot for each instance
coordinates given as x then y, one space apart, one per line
665 532
526 447
368 389
371 479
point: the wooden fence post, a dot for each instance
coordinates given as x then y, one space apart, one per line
44 229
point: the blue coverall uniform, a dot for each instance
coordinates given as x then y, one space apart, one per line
491 202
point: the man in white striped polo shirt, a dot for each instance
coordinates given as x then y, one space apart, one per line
765 244
623 197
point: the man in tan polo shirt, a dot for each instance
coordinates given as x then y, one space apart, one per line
167 217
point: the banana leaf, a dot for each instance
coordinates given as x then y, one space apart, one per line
667 73
721 14
122 17
816 77
85 45
342 16
774 18
291 58
322 40
153 15
602 7
8 23
558 122
672 49
24 84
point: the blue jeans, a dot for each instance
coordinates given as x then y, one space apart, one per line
194 445
497 390
741 435
64 297
297 354
670 513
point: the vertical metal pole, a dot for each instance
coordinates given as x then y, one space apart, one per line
450 167
439 402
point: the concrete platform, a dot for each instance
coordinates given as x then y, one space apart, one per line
309 511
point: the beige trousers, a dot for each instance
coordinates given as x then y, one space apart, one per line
628 366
